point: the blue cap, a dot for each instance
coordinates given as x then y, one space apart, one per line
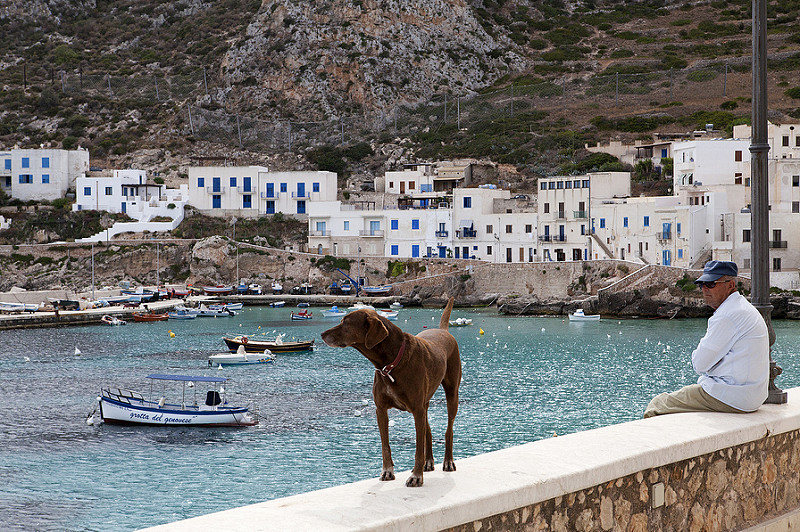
714 269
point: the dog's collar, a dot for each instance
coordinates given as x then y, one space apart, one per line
387 369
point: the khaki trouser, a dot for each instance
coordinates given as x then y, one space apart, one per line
692 398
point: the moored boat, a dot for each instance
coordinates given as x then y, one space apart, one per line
241 357
383 290
219 290
360 306
388 314
460 322
302 315
126 407
228 306
333 312
275 345
150 316
112 320
182 314
277 304
579 315
277 288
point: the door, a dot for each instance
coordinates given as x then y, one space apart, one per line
508 255
216 201
666 228
270 190
561 234
465 252
442 252
546 233
124 207
374 227
666 257
247 183
217 184
301 190
402 187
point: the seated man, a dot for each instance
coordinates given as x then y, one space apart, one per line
732 359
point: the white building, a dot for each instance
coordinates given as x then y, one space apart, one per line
251 191
127 191
41 173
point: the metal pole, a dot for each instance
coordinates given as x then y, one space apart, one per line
155 80
458 111
239 130
158 266
725 81
616 92
92 271
759 216
205 80
191 126
445 107
109 84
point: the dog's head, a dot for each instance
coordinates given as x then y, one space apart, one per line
362 327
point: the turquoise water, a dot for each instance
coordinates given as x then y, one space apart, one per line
524 379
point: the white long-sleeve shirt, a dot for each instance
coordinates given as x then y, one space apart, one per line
732 359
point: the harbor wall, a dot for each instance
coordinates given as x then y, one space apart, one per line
693 471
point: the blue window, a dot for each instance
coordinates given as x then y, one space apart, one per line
301 207
467 202
321 228
233 182
216 201
109 191
602 223
201 182
415 250
45 178
395 250
625 222
568 184
8 164
394 225
25 178
585 183
663 152
247 182
247 201
576 183
216 184
543 185
374 227
45 162
414 224
666 258
87 191
551 185
301 190
647 221
270 207
346 225
283 187
315 187
271 190
560 185
26 162
680 253
678 230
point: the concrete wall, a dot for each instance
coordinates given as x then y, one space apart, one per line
695 471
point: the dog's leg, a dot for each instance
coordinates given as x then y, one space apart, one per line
420 422
382 415
428 447
450 385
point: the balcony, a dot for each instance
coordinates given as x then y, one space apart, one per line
466 233
267 195
580 215
371 232
301 195
561 215
245 190
215 190
664 236
442 234
319 233
777 244
552 238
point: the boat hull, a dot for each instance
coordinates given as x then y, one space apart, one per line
140 412
595 317
240 359
150 317
258 346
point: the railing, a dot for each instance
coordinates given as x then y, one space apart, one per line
245 190
215 190
319 233
777 244
442 234
552 238
466 233
301 195
267 195
664 236
580 214
371 232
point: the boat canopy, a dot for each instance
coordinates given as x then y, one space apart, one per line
162 377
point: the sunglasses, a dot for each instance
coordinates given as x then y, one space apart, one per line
710 284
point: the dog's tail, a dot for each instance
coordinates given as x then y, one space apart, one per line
444 323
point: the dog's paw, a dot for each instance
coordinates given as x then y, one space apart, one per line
449 466
428 465
387 474
414 482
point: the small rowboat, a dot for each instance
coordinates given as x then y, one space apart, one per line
302 315
126 407
333 312
241 357
150 316
578 315
218 290
388 314
276 345
383 290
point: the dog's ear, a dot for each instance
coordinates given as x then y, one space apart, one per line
376 332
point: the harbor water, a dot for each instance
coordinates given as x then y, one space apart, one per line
524 379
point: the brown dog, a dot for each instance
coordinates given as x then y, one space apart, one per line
408 370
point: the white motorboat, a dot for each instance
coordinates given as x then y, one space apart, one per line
579 315
460 322
112 320
277 304
277 288
333 312
396 305
360 306
255 289
206 312
126 407
241 357
388 314
226 306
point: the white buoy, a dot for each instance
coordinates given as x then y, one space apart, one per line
505 346
365 402
90 419
542 329
77 351
27 359
509 327
608 335
391 422
220 367
357 413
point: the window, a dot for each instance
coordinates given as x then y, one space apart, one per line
87 191
786 141
45 178
568 184
663 153
646 221
45 162
583 229
680 253
391 184
509 229
467 202
745 235
320 227
233 182
26 162
248 183
301 207
678 228
8 164
394 225
543 185
25 178
737 178
585 183
270 190
247 201
796 179
602 223
488 250
271 207
414 224
551 185
346 225
415 250
625 222
796 206
395 249
412 185
576 184
201 182
737 156
283 187
776 264
109 191
546 208
528 228
560 185
489 229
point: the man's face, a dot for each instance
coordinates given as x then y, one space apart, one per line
714 296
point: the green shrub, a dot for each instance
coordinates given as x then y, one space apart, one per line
794 92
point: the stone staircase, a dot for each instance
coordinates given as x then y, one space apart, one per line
608 252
